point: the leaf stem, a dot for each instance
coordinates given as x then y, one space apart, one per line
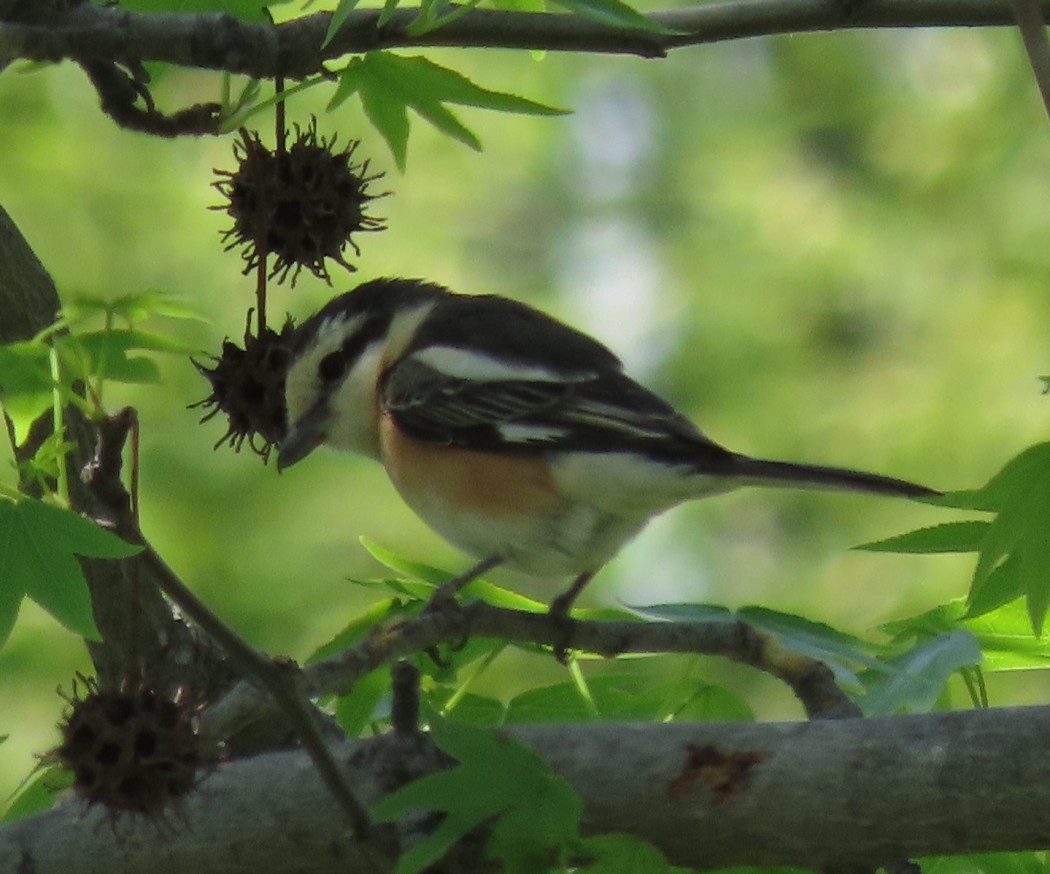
464 687
238 119
581 686
59 420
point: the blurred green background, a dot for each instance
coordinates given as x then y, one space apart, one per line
827 248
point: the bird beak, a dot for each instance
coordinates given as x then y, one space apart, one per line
302 438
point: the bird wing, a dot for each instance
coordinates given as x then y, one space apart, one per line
508 406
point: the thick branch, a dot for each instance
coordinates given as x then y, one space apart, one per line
813 794
28 299
106 33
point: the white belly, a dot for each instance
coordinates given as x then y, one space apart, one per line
514 507
577 540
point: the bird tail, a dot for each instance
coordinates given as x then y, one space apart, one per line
757 471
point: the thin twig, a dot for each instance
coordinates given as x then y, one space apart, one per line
119 95
278 681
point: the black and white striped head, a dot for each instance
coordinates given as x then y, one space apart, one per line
337 356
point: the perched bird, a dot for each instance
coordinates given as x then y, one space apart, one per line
517 438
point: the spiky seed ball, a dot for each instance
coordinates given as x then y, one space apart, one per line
248 386
132 749
301 205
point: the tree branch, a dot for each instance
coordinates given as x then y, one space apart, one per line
820 793
106 33
811 681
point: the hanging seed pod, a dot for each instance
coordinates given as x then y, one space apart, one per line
248 386
302 205
134 749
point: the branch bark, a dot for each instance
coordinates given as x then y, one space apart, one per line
88 31
812 794
813 683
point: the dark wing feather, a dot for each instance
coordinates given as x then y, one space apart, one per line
597 412
437 408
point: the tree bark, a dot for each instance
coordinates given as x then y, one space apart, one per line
92 32
811 794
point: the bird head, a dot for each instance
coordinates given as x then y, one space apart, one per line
337 360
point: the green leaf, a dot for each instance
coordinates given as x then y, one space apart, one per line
474 709
1013 549
104 354
246 10
38 548
10 594
433 577
389 85
389 7
625 854
949 537
417 593
354 712
342 12
1016 476
1004 635
1019 533
520 6
359 628
536 811
613 13
24 369
1006 640
1002 585
406 566
428 83
430 16
986 863
37 793
920 674
685 612
25 383
815 639
712 703
390 118
456 657
764 869
447 123
840 651
130 308
614 696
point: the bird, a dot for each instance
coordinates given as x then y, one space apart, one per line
517 438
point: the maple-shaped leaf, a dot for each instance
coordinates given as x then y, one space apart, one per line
39 544
1013 549
389 85
535 811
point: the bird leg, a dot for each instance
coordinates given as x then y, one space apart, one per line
559 614
444 598
446 593
561 605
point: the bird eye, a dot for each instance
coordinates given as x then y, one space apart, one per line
332 367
